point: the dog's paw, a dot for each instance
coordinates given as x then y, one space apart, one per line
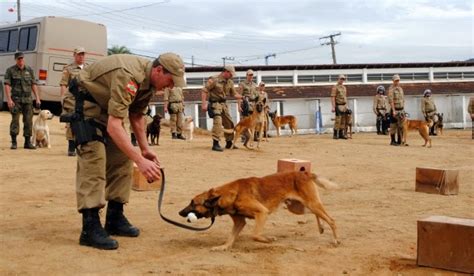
336 243
321 230
263 239
220 248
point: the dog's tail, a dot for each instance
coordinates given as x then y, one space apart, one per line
324 183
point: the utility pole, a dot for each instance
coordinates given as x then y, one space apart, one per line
192 61
331 42
269 56
18 12
227 58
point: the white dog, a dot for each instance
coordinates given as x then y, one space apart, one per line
41 137
188 127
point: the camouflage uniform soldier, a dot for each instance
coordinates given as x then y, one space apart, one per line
339 106
70 72
380 110
428 109
397 103
19 82
113 88
175 107
248 90
216 90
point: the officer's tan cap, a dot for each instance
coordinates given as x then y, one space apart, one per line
396 77
231 69
249 72
175 65
79 50
341 76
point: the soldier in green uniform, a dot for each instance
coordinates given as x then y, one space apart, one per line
217 89
113 88
380 110
248 90
175 107
397 104
19 83
339 106
71 71
428 109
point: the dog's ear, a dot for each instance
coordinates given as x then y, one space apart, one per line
211 203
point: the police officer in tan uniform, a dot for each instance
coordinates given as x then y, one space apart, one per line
217 89
19 82
248 90
113 88
339 106
396 99
380 110
428 109
174 105
71 71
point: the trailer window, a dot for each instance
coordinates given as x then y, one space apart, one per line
27 39
4 41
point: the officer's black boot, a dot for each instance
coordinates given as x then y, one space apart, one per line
28 144
433 131
341 134
228 144
116 223
133 139
399 139
92 232
216 146
180 136
14 145
71 149
173 136
392 140
378 125
334 136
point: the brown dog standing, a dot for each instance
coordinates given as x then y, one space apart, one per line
256 198
280 121
252 123
423 128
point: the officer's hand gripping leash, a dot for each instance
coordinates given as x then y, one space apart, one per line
160 201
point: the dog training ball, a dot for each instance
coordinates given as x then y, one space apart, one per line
191 217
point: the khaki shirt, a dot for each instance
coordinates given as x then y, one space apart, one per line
263 95
119 83
396 96
174 95
427 105
21 82
340 93
249 89
70 71
219 88
380 104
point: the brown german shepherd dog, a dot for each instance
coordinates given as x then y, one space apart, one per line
423 128
280 121
258 197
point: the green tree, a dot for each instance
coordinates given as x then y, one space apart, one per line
118 50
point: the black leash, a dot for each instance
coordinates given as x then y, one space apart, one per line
160 200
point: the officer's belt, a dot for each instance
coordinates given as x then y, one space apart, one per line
381 108
176 102
341 103
398 109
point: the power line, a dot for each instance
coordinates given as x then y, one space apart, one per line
331 42
121 10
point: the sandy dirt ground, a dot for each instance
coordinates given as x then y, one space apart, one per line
375 208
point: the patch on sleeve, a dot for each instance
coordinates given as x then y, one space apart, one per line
132 88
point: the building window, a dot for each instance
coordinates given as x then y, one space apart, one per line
196 81
277 79
453 75
327 78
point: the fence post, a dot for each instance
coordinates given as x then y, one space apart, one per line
196 114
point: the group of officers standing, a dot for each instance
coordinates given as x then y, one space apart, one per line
389 109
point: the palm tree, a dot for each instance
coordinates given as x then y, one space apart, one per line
118 50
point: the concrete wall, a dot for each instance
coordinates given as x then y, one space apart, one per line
454 108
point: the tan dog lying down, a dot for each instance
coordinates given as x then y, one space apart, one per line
41 137
256 198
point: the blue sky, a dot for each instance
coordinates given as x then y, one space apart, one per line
372 31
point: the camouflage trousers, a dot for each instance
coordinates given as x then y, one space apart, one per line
25 109
222 119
